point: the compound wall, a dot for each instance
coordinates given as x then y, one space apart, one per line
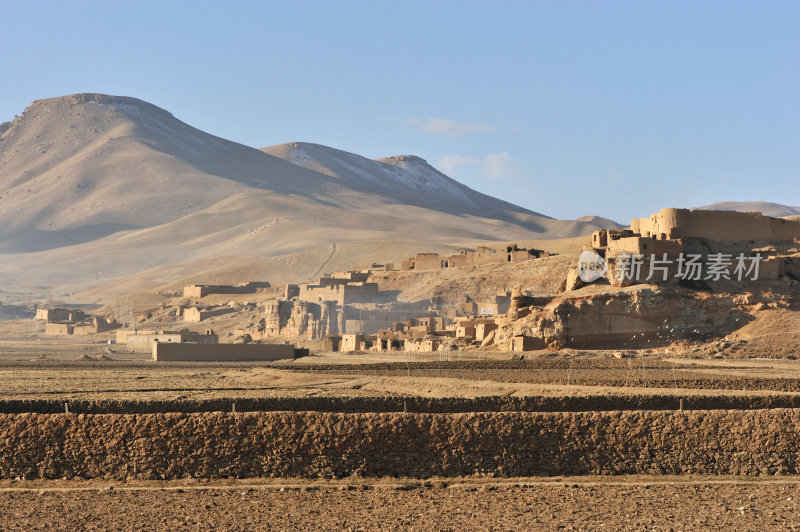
221 352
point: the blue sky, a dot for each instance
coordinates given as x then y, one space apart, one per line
567 108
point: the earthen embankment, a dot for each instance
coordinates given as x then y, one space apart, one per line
320 444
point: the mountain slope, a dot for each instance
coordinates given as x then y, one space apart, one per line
767 209
600 222
248 226
94 188
87 161
410 180
407 178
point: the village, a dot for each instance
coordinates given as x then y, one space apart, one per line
352 312
400 266
340 312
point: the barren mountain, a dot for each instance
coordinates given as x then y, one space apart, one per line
767 209
80 167
405 178
600 222
94 188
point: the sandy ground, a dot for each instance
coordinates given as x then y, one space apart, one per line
578 503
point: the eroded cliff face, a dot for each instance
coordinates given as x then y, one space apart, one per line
301 319
643 317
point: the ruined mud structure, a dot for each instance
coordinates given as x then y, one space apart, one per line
669 233
350 311
142 341
62 321
202 290
640 312
468 257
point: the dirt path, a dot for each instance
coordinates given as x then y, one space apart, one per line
325 262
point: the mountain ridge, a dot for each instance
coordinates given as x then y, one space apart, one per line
96 187
409 176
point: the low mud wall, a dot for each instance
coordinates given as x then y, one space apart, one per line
317 444
406 404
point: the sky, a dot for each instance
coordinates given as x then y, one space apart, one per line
567 108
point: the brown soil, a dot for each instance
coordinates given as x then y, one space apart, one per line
46 369
633 377
776 332
584 503
132 377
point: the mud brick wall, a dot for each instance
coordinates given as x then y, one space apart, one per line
317 444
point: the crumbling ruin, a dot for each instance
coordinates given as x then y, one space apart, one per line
672 235
62 322
650 315
201 290
465 257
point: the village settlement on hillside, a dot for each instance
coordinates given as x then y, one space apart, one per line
339 311
347 311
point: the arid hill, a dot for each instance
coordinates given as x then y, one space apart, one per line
767 209
408 180
94 188
600 221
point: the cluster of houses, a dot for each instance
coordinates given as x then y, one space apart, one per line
63 321
338 303
340 311
346 312
419 335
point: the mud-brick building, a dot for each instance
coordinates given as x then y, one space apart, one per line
466 257
142 341
59 314
196 291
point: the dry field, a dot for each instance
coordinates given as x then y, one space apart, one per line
586 503
71 371
71 368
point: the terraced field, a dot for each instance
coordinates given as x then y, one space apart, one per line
101 455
